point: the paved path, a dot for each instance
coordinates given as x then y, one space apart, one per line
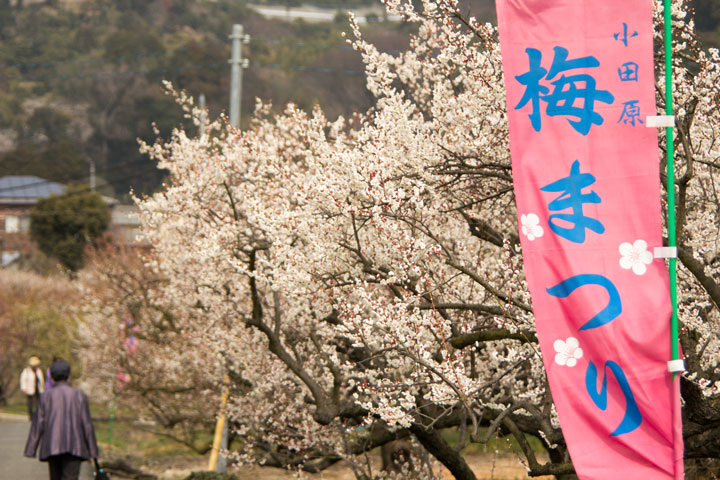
320 14
13 465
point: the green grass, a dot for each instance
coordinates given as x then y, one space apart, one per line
17 407
131 440
503 445
126 438
134 440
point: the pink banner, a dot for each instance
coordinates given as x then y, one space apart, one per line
580 84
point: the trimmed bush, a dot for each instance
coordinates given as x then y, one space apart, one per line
210 476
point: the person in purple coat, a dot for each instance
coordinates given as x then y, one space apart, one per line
63 428
48 378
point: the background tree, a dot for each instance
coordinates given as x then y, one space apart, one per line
64 225
46 148
707 14
55 162
35 318
140 328
361 278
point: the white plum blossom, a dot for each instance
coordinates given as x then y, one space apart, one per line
531 226
568 351
635 256
366 271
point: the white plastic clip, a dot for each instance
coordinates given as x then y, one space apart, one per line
659 121
665 252
675 366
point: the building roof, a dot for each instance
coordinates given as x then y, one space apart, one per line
27 187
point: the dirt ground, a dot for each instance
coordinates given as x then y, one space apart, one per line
485 466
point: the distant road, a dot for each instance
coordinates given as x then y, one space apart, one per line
317 14
13 465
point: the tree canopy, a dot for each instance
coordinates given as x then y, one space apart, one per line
63 225
360 279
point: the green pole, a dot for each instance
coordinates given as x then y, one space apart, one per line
112 420
671 176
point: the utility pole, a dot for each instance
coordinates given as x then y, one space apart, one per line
218 462
237 63
217 458
203 116
92 175
222 461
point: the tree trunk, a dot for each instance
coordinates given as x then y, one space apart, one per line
433 442
560 456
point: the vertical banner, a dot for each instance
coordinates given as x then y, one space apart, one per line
580 84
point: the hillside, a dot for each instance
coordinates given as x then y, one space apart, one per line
81 80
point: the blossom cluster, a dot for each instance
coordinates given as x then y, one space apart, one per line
363 275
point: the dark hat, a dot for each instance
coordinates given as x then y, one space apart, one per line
60 370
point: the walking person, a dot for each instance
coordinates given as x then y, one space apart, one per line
63 428
32 384
48 378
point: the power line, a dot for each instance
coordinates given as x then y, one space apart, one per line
34 65
66 210
112 74
305 68
318 46
85 189
171 70
72 179
89 60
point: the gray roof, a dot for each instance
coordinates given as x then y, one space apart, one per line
27 187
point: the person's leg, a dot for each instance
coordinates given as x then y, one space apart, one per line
55 465
71 467
30 406
35 405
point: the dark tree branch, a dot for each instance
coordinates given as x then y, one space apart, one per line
325 410
698 271
434 443
465 340
475 307
488 287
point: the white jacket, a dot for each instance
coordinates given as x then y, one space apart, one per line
27 381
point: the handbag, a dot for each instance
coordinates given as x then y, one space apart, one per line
99 474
